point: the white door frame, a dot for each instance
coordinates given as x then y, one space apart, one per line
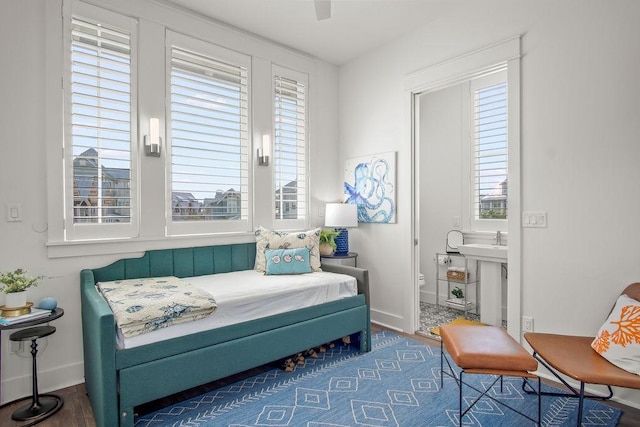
448 73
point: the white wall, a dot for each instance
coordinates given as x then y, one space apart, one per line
440 175
371 122
580 148
23 175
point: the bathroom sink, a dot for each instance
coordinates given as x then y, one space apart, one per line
490 258
482 252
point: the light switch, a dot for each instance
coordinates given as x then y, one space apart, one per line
14 212
534 219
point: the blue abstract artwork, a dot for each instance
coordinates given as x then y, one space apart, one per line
370 183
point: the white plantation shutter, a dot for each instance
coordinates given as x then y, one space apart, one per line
100 185
208 133
490 151
290 147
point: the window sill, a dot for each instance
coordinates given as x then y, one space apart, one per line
130 246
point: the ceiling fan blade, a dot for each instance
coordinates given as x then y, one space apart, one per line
323 9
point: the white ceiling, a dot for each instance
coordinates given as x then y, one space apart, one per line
355 26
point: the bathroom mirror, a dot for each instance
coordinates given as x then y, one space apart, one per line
454 240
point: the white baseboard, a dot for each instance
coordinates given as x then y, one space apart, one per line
387 320
387 326
48 381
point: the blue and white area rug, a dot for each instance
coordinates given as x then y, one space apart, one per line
396 384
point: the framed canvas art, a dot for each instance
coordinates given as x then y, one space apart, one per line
370 183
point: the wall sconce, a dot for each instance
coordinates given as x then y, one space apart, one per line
264 151
152 142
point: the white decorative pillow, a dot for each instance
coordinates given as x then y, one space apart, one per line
268 239
618 339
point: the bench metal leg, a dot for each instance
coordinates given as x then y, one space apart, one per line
484 393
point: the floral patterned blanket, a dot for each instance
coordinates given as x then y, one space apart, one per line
144 305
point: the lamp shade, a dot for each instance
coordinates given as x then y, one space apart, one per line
341 215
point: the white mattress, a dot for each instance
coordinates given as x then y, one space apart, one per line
249 294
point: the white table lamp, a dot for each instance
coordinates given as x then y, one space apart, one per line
341 216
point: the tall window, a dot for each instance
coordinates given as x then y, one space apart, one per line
202 95
490 164
208 129
290 147
100 189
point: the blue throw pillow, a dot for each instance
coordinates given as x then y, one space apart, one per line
287 261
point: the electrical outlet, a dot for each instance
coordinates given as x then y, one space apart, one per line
14 212
17 346
527 324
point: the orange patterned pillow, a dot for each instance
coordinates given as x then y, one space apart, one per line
618 339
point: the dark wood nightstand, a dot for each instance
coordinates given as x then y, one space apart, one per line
350 259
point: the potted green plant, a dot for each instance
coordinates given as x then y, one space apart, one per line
14 285
457 292
327 241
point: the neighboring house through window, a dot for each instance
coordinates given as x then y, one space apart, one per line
113 186
489 159
290 147
208 137
100 175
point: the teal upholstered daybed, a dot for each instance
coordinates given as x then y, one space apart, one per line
117 380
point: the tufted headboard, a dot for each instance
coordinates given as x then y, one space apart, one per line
183 262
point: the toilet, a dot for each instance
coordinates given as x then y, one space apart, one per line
421 281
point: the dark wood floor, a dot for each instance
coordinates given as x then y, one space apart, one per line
76 411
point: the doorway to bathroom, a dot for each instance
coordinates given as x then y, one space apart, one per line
442 197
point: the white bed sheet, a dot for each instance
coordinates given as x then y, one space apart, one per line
249 294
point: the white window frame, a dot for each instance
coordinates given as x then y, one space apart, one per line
92 231
301 222
152 26
469 194
176 228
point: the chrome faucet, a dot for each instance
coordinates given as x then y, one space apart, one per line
498 238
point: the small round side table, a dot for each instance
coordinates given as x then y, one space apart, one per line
350 259
42 405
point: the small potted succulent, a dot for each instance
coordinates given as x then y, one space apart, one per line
327 241
457 292
14 284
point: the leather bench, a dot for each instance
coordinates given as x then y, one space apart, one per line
487 350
